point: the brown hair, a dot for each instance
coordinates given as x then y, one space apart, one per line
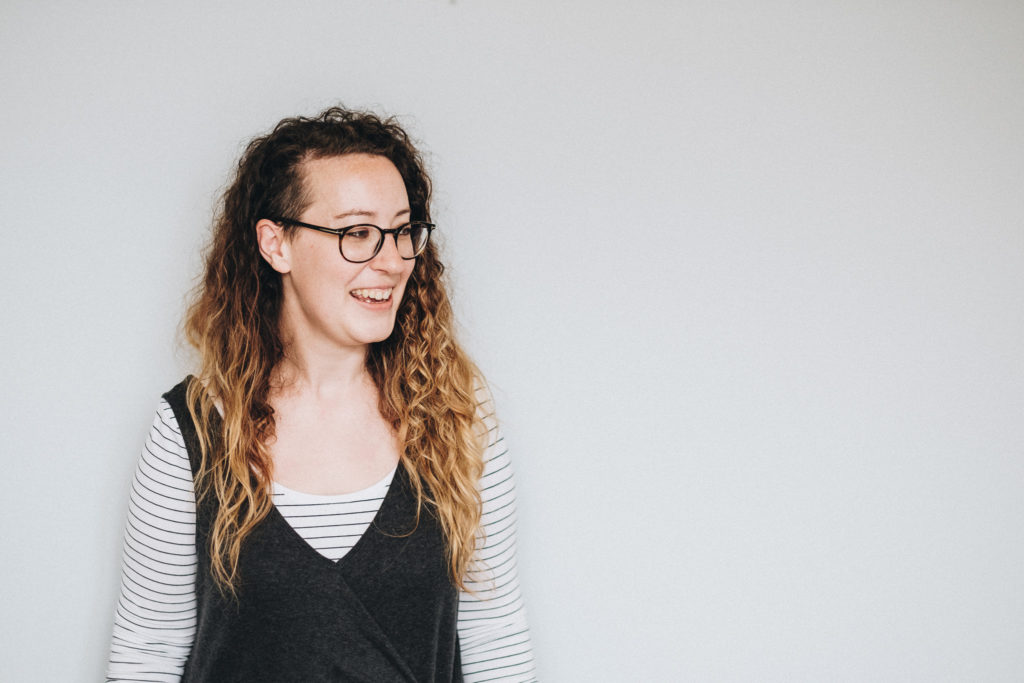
426 381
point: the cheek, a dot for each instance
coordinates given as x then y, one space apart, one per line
407 276
322 276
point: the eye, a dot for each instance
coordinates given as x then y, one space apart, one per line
405 230
358 233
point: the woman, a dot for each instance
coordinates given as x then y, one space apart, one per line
329 499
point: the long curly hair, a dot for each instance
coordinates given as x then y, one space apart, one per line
427 384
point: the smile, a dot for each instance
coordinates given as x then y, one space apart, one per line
372 295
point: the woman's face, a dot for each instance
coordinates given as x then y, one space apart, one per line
328 300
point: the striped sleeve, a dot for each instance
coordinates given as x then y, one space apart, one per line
493 632
155 620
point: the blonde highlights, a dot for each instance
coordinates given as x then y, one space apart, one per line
426 382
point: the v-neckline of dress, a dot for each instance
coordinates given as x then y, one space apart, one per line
400 480
397 481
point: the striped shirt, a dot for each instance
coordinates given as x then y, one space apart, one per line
331 525
155 620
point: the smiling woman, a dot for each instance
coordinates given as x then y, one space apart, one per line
329 498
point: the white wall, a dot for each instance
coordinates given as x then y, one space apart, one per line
747 277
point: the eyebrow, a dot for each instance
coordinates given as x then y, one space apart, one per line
368 214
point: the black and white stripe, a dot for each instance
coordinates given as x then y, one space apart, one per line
331 525
155 621
493 633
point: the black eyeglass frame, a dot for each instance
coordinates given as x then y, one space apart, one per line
340 232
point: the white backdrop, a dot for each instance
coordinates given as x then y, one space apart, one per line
746 277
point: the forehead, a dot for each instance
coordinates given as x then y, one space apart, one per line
354 182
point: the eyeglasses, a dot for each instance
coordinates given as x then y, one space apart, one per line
360 243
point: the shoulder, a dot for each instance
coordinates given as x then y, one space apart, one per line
487 417
496 480
164 458
176 397
177 406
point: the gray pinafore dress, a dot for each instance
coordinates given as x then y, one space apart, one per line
387 611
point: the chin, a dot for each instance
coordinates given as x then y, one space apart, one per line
375 336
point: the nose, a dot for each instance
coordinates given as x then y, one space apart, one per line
388 259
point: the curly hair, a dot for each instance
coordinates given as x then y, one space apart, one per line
426 382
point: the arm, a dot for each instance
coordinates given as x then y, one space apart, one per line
155 621
493 633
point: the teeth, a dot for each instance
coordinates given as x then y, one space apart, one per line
375 294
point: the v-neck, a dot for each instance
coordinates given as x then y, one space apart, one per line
397 481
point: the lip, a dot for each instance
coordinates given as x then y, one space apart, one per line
374 304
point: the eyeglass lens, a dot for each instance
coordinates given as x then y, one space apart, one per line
363 242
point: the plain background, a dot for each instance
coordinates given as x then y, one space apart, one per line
746 277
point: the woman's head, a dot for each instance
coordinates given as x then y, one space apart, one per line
273 180
426 382
342 290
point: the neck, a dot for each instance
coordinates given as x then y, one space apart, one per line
320 370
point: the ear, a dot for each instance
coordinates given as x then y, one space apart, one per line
274 246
